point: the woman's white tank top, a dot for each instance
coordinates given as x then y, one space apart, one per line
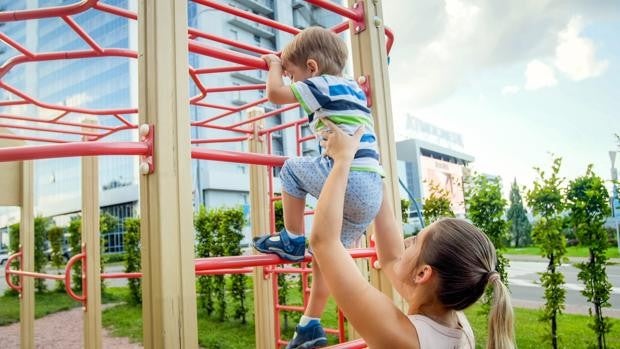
433 335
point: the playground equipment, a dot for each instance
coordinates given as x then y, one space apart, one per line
165 150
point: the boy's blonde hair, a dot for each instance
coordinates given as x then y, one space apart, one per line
320 44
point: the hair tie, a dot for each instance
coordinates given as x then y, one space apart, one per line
493 276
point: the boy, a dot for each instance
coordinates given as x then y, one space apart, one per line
314 61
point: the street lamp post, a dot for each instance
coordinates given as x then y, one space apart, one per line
614 194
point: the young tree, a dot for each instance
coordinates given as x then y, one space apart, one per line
75 241
205 227
485 208
41 224
133 258
55 235
437 204
519 226
588 202
404 209
547 202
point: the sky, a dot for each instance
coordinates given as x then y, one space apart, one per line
519 79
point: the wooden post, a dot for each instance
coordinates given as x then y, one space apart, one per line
169 288
16 185
370 60
91 244
26 238
264 327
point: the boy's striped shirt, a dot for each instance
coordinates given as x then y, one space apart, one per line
343 102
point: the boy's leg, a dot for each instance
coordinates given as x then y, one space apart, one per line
309 333
293 211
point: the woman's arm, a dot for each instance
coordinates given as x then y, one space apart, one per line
372 313
388 239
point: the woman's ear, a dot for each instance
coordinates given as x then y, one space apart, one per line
312 66
423 274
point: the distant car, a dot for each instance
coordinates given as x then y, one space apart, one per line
4 256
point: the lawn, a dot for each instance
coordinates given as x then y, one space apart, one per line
572 251
49 303
573 332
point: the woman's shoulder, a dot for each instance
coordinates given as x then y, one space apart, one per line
432 334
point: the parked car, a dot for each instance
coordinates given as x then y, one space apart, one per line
4 256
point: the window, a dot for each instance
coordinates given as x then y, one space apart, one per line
234 35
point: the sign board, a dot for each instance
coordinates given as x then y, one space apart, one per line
448 176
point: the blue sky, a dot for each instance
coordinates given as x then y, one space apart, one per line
519 79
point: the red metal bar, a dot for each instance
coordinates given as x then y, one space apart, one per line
68 267
356 344
115 10
334 7
63 108
390 39
220 140
224 128
266 115
290 307
7 272
56 122
217 117
228 69
56 11
283 126
196 33
35 128
16 45
235 156
36 152
248 15
236 88
79 31
135 275
30 138
227 55
341 335
232 262
225 271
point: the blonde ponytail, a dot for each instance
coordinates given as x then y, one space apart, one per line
501 317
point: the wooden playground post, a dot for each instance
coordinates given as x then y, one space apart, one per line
264 324
169 288
91 242
16 184
370 61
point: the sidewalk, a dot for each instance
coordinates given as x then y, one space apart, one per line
533 258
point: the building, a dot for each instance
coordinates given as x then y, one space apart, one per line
429 154
112 83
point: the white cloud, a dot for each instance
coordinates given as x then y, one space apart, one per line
539 75
576 56
510 90
441 45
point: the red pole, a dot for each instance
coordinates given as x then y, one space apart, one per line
36 152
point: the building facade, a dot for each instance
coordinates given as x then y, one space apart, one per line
103 83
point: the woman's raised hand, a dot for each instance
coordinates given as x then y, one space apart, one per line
337 144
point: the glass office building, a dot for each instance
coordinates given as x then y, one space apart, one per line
109 83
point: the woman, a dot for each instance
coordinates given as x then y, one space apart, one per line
445 269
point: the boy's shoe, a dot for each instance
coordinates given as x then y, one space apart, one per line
285 247
309 336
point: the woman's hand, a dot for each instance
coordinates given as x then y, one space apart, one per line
338 145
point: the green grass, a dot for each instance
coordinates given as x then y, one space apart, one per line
46 303
126 321
49 303
572 251
573 333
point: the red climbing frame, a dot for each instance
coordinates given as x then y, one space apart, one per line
65 137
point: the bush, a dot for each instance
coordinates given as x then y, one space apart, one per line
133 258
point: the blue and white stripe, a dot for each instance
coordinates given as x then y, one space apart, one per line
343 102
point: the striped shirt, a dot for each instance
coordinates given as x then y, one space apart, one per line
343 102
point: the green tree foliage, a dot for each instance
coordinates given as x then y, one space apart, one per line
14 248
219 232
55 236
133 261
404 209
588 202
437 203
107 224
547 202
519 226
485 208
75 241
41 225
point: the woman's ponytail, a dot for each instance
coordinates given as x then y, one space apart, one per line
501 317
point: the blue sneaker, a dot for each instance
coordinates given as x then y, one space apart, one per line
285 247
310 336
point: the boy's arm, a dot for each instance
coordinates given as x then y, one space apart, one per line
277 91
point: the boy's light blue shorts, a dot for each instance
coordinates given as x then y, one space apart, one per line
363 197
